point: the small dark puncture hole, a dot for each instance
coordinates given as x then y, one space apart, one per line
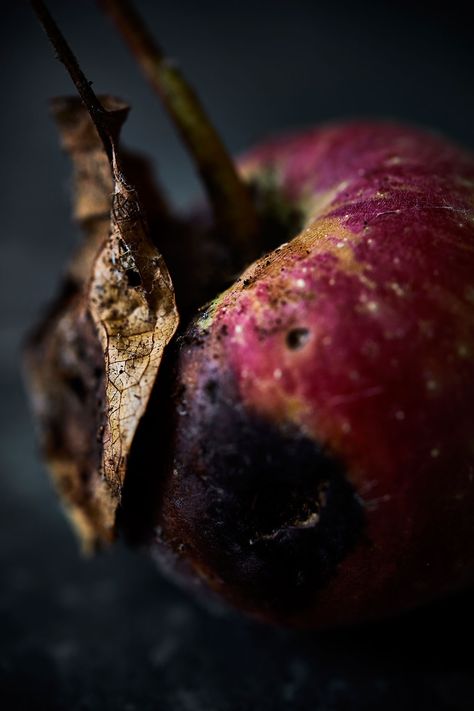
297 338
133 277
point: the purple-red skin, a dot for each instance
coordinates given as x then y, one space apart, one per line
359 336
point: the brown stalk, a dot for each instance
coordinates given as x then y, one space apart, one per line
234 211
107 123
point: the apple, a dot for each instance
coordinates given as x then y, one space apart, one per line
323 443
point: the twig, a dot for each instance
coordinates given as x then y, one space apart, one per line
106 122
232 205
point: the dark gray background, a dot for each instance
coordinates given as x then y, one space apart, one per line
110 633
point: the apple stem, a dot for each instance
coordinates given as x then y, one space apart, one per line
234 211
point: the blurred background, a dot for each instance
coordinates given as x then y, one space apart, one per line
109 633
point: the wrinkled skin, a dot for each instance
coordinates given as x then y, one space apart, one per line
323 467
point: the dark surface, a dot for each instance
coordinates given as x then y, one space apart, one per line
110 633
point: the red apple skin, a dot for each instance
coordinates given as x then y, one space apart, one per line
324 431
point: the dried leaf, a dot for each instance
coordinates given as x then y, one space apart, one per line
100 313
92 179
133 306
64 361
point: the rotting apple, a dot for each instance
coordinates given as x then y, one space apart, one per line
323 453
314 422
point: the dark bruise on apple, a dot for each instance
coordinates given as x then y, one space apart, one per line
307 453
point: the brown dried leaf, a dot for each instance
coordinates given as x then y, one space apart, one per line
92 181
71 358
133 306
64 361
